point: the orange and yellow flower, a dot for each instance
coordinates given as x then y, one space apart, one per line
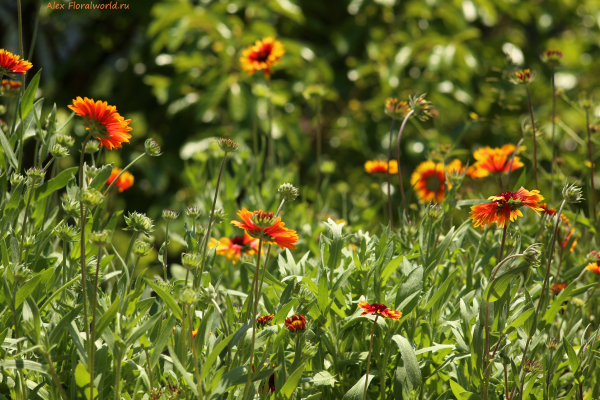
124 182
428 179
505 207
380 309
9 84
296 324
103 121
12 64
263 55
275 232
264 320
494 160
233 248
558 287
381 167
546 210
594 267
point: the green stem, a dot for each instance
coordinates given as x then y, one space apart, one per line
121 173
553 132
503 241
63 395
535 163
589 135
512 159
384 374
398 159
166 248
389 186
23 227
82 243
149 371
118 376
262 276
369 358
249 381
93 332
319 139
270 131
200 396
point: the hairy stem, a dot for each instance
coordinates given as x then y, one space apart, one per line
82 243
194 356
535 163
389 189
589 135
93 332
369 358
553 132
398 159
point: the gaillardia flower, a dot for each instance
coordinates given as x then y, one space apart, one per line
396 108
272 229
12 64
379 309
546 210
124 182
428 179
505 207
494 160
264 320
263 55
296 324
235 247
558 287
594 265
381 167
103 121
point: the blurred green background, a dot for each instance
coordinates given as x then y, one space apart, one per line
173 68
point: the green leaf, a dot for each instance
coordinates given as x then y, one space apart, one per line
29 96
212 357
573 359
186 375
107 317
292 383
54 184
522 178
160 344
410 360
441 291
496 288
82 377
63 324
143 328
23 364
516 321
356 392
167 298
438 254
15 198
283 313
26 290
565 295
101 178
8 150
323 295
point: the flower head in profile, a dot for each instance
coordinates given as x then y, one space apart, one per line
234 248
379 309
10 88
396 109
272 229
139 222
381 167
494 160
103 121
594 266
296 324
505 207
262 56
429 177
558 287
124 182
264 320
422 108
523 77
552 57
12 64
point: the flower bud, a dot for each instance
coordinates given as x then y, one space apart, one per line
207 294
152 148
288 192
434 211
141 248
532 254
263 321
219 216
396 109
72 208
572 193
191 260
65 140
35 173
170 215
228 145
16 179
192 212
585 101
66 233
552 57
577 302
22 273
139 222
59 151
28 242
523 77
101 238
263 219
91 197
92 146
552 344
422 108
189 296
91 172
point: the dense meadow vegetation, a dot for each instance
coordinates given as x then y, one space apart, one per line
233 208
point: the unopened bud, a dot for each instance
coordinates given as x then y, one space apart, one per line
288 192
152 148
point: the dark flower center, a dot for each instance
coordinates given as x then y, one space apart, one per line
263 54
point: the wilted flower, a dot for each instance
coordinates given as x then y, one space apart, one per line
16 179
103 121
91 197
262 56
124 182
381 166
218 216
66 233
296 324
379 309
572 193
396 109
141 248
192 212
236 246
92 147
139 222
552 57
191 260
101 238
288 192
170 215
422 108
59 151
152 148
523 77
72 208
228 145
505 207
208 294
65 140
12 64
264 320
